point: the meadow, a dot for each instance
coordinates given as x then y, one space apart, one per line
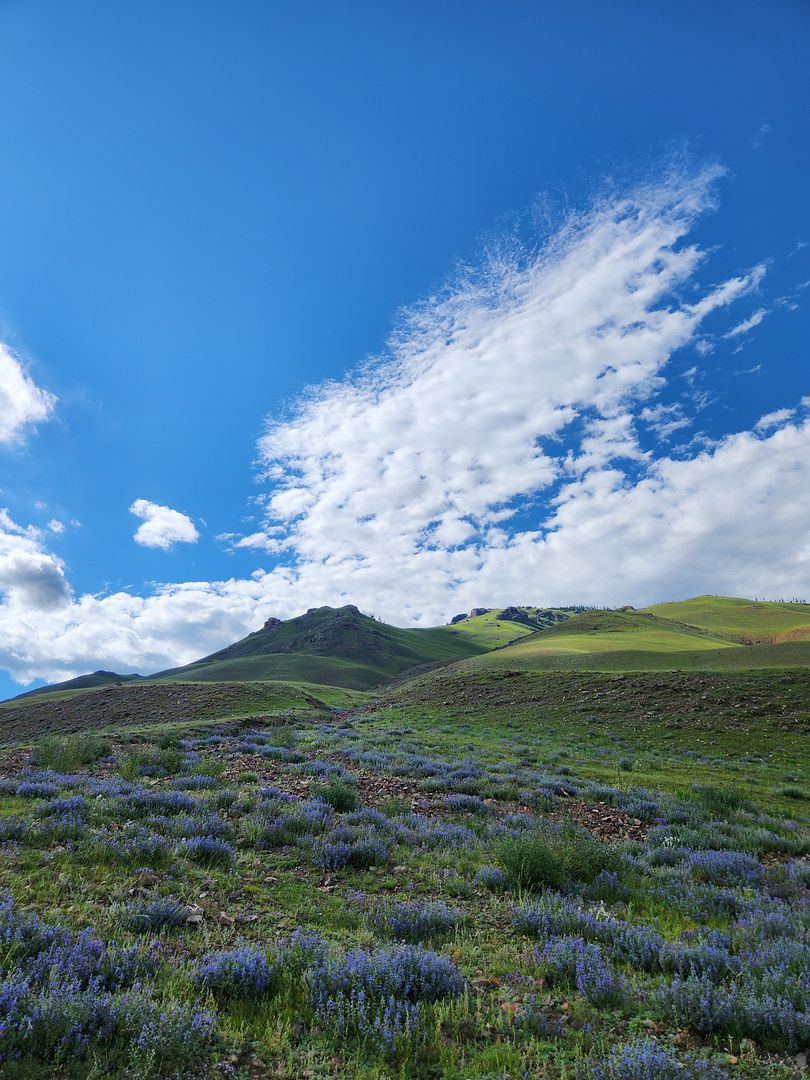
560 875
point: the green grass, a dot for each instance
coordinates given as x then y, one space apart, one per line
488 630
636 641
731 744
334 646
747 621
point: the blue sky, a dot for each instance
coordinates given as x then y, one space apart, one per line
207 208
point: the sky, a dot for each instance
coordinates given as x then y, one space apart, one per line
419 307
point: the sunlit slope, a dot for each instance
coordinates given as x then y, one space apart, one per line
747 621
636 641
490 631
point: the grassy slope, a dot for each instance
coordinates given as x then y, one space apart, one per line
333 646
488 630
663 732
748 621
637 641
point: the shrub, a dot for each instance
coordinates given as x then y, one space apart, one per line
13 828
533 860
75 806
530 862
747 1009
135 846
491 877
235 973
646 1060
163 913
339 795
69 751
465 804
170 1038
207 850
361 854
720 802
379 996
571 959
725 867
301 950
195 782
34 790
416 920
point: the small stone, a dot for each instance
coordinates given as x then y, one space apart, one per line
225 920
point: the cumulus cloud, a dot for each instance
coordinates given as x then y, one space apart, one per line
31 579
506 448
22 402
162 527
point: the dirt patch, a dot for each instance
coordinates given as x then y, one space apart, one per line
601 819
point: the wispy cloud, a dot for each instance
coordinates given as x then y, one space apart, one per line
162 527
23 404
774 419
747 324
761 136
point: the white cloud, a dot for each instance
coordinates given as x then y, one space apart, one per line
491 456
773 419
22 402
162 527
747 324
31 580
665 419
56 526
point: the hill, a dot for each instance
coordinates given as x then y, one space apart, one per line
750 622
329 646
496 627
82 682
645 641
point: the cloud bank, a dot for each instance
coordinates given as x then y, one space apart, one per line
22 402
510 446
162 527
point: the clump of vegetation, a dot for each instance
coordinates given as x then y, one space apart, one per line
163 913
534 860
207 850
416 920
243 972
379 997
339 795
69 752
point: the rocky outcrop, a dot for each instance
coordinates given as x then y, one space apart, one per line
479 611
458 618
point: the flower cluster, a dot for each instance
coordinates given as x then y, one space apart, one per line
243 972
379 996
416 920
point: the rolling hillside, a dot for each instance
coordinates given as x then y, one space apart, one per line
82 682
646 641
751 622
330 646
500 626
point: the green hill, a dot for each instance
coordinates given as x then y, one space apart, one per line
500 626
82 682
752 622
330 646
645 641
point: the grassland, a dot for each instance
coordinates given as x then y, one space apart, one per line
638 641
266 866
333 646
747 621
